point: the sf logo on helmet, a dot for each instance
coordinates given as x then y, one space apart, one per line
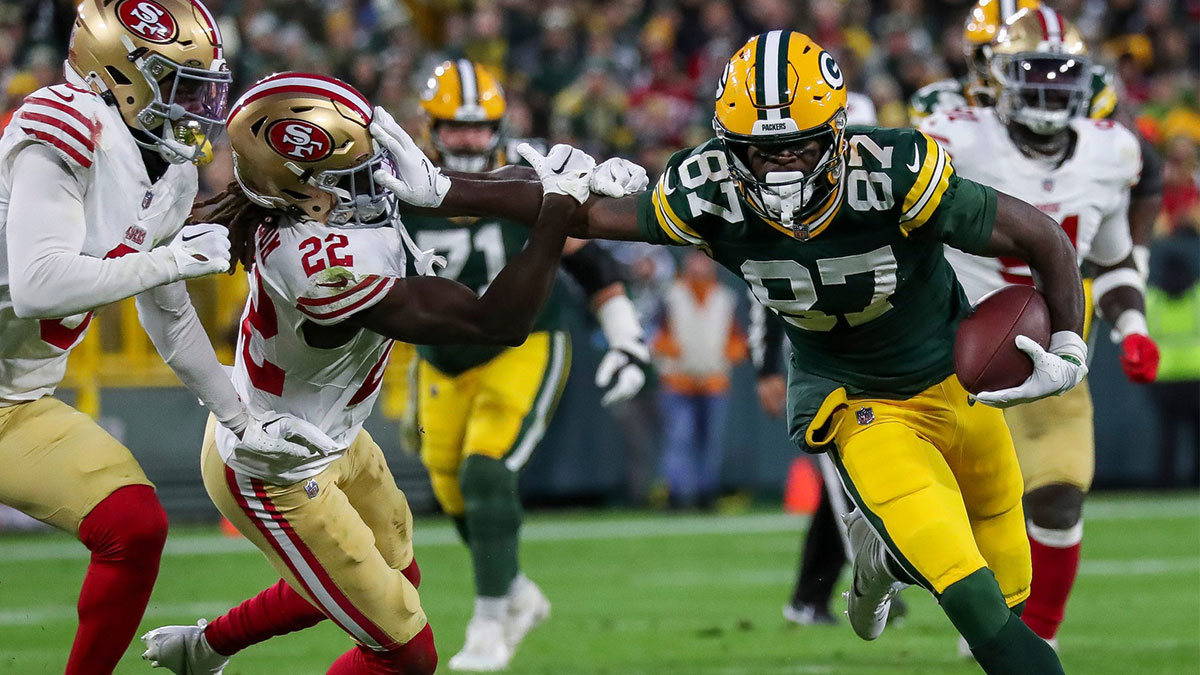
296 139
148 20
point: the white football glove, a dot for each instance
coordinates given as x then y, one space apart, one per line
201 249
563 171
274 436
622 371
1054 372
417 180
618 177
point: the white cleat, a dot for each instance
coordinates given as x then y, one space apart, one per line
183 650
527 607
485 649
872 587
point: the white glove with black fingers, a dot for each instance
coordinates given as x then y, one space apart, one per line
618 177
624 368
563 170
276 436
1055 371
201 249
417 181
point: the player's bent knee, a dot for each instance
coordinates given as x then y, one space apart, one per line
418 656
129 522
1055 507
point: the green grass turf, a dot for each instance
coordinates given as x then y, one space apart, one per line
639 593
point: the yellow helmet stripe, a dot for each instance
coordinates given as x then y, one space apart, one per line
926 193
467 83
670 223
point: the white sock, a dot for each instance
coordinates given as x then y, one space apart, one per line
518 582
491 608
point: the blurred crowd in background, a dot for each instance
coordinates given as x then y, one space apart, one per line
636 78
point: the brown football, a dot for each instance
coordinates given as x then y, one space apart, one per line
986 357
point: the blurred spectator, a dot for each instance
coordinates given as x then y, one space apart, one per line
697 346
1173 311
1181 185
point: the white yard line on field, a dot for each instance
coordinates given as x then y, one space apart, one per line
551 528
32 616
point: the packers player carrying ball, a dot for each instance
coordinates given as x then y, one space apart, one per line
840 231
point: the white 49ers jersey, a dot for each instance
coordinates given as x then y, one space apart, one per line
308 272
123 213
1088 193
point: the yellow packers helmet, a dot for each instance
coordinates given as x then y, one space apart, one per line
983 21
1042 71
302 144
461 93
781 91
161 63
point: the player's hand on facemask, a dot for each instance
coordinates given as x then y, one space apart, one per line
563 170
417 181
277 435
618 177
1055 371
201 249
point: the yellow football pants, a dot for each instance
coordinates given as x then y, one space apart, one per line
59 464
938 480
340 538
499 409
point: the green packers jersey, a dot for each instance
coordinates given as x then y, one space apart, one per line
476 249
951 94
869 301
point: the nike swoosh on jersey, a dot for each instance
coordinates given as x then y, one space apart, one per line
65 97
916 164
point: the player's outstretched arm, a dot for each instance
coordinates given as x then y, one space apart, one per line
432 310
1021 231
49 275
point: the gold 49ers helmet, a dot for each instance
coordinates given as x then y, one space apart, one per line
1042 70
983 22
463 94
161 63
302 144
779 93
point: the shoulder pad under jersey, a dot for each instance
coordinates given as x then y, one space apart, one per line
65 118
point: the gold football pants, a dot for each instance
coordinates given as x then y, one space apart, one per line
340 538
938 480
59 464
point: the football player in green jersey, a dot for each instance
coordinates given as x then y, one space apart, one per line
483 410
840 231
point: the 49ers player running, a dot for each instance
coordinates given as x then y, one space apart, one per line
328 295
96 179
1037 144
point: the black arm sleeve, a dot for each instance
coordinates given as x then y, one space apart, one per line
593 267
766 340
1150 183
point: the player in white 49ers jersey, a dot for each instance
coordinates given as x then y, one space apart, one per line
1038 145
328 296
96 178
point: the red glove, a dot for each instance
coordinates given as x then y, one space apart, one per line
1139 358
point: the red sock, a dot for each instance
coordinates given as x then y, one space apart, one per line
415 657
412 573
276 611
1055 562
125 533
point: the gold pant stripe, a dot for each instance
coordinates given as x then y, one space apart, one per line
534 427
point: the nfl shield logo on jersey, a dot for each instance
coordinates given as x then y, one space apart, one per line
311 488
1048 185
865 415
147 199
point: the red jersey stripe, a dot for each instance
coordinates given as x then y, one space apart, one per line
62 145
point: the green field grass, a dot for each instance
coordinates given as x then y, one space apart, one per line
641 593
